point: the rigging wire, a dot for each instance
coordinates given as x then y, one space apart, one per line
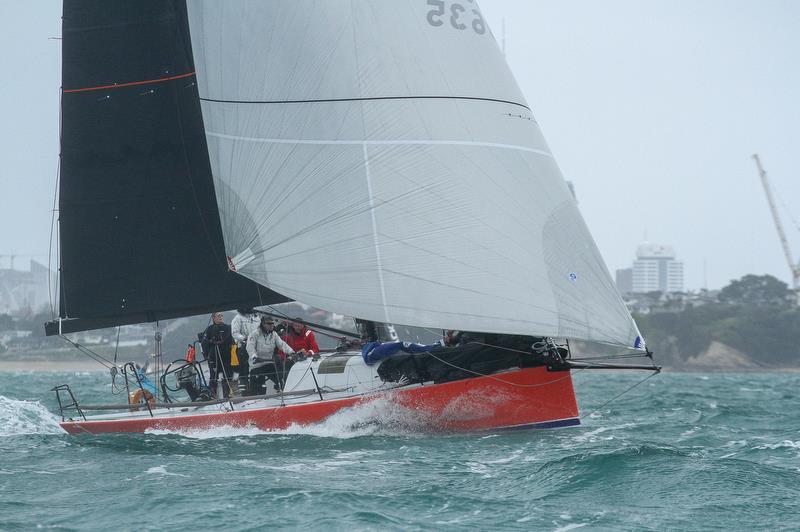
116 346
53 217
113 370
653 374
103 361
97 357
289 318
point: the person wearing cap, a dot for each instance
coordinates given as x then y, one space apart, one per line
264 362
301 339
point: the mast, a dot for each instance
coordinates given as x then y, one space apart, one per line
794 268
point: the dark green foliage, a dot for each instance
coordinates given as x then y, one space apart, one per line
755 315
759 290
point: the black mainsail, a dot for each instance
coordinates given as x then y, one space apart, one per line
140 236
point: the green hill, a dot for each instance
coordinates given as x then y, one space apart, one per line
756 316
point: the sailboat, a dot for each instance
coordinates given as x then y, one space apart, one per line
372 159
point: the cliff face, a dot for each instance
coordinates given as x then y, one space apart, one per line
720 357
724 337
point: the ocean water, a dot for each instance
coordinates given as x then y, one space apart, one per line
679 452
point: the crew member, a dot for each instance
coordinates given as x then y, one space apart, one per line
244 323
264 362
216 344
301 339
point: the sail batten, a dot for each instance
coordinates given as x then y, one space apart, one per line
355 175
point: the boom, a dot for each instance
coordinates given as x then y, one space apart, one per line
793 267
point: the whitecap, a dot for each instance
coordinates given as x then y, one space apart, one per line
785 444
514 457
162 470
689 432
18 418
210 433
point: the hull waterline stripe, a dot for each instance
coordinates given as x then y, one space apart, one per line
382 142
129 84
571 422
374 98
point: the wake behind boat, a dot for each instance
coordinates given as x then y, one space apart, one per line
379 163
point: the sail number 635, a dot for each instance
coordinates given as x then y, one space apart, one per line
456 14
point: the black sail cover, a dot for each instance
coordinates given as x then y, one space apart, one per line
140 232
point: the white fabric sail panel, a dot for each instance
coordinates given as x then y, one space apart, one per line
327 49
373 164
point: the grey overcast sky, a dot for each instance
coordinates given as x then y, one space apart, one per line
652 109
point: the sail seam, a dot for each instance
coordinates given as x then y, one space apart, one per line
372 98
375 233
382 142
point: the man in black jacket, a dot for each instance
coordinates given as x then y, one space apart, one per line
216 344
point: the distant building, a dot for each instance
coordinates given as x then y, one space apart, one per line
625 281
656 270
24 291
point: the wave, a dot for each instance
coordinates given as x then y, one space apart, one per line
19 418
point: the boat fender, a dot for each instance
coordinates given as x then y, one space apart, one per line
136 399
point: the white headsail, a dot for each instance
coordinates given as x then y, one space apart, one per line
377 159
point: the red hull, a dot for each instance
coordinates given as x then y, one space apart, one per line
532 397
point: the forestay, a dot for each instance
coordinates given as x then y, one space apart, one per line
377 159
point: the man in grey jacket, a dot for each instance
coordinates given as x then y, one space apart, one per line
264 361
244 323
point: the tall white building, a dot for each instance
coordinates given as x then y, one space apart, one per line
24 291
655 269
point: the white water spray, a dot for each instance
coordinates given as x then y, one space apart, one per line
376 417
19 418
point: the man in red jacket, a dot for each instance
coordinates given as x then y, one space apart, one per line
301 339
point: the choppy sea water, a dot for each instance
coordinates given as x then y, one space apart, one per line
681 452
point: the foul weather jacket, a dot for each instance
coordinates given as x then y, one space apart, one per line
303 340
243 326
261 347
216 344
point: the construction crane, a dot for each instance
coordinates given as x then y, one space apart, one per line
793 266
